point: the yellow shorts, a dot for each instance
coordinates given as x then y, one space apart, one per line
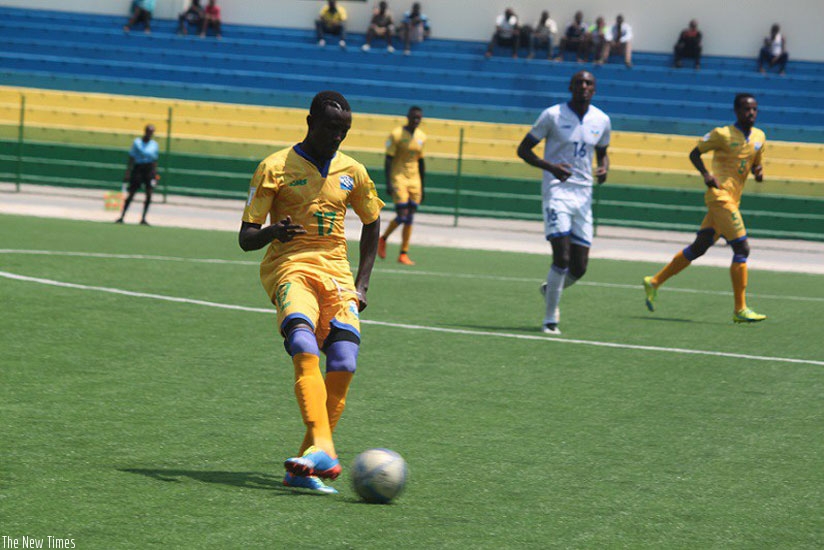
403 193
321 300
724 218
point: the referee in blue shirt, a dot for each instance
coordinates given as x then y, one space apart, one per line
142 170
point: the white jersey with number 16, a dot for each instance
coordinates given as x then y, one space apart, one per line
571 140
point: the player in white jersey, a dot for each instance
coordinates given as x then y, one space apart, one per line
573 131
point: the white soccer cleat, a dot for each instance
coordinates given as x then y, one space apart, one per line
551 328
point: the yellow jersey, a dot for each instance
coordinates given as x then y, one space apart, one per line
289 183
734 155
333 18
406 150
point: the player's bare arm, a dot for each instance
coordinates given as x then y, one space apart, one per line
253 236
526 153
128 175
422 171
758 172
368 251
602 164
387 170
695 158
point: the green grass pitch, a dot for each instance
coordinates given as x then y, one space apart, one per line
131 421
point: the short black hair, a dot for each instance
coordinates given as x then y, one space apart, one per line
328 98
414 108
740 98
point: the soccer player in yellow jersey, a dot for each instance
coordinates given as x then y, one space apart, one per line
738 150
405 171
304 191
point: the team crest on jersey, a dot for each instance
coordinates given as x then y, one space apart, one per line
347 182
353 309
757 145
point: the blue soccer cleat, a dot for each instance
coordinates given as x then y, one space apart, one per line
311 483
314 462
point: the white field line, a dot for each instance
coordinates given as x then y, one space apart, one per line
404 272
405 326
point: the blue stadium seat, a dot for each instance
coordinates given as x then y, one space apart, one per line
449 78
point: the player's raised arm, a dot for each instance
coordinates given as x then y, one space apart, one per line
253 236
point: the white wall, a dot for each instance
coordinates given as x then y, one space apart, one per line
732 27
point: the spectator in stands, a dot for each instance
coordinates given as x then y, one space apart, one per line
141 171
332 20
414 27
619 41
574 39
543 35
688 45
192 16
507 33
774 51
141 12
381 26
211 19
597 34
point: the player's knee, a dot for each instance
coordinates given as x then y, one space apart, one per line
577 271
300 338
342 356
699 247
341 348
740 250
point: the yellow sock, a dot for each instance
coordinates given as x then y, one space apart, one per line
407 236
310 391
337 386
393 225
738 273
676 265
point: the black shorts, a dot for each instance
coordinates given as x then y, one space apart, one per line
142 174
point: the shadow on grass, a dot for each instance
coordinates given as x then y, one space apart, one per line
667 319
246 480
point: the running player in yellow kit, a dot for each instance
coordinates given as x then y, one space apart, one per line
304 191
738 150
405 171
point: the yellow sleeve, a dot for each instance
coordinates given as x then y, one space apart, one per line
711 141
342 13
364 199
392 145
262 192
759 154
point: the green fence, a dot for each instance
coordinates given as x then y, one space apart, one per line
453 194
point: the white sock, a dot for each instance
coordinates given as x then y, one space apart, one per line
569 280
554 288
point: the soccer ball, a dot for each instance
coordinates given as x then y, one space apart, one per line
379 475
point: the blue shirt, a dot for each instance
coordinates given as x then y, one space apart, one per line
148 5
143 152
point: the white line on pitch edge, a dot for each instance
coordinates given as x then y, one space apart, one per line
464 332
479 277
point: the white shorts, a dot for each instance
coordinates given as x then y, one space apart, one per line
568 211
